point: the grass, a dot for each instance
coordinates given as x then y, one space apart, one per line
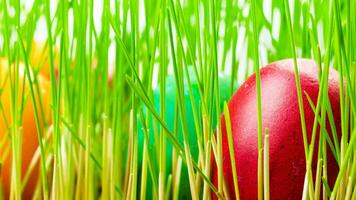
89 146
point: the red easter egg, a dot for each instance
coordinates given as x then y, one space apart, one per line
280 114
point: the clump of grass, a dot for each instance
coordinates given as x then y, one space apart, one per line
89 149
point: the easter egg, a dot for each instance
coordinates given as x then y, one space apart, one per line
280 114
40 60
170 112
29 130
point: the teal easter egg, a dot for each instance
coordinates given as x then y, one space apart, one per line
171 112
